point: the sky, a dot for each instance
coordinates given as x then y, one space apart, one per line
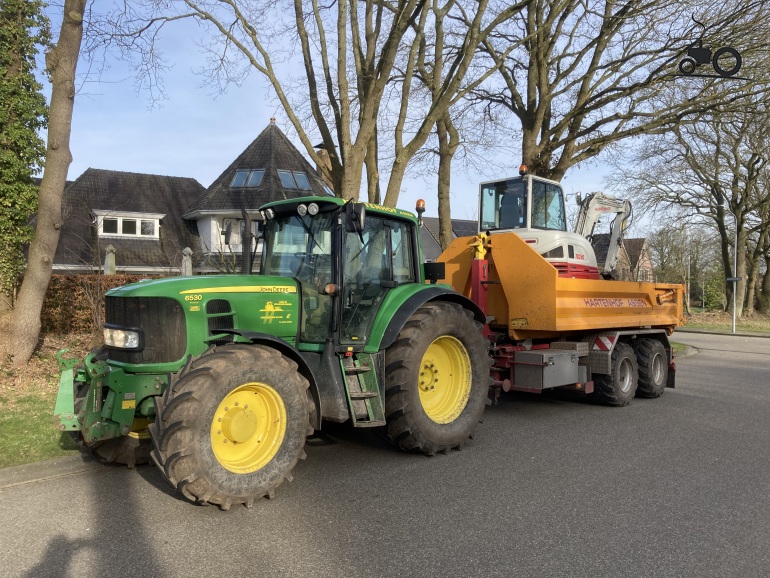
195 132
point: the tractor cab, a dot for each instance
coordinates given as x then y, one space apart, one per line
346 257
534 209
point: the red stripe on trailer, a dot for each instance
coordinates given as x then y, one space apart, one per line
604 343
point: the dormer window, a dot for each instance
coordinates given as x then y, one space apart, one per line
294 180
114 224
245 178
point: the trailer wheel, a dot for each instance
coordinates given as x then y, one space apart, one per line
653 368
436 379
618 388
232 425
130 450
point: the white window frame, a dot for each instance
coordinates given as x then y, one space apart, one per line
236 244
139 217
249 174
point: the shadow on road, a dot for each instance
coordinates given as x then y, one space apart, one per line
118 542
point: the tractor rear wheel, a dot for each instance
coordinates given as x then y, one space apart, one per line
437 379
131 450
232 425
653 368
619 387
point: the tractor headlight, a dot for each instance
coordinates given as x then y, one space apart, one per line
122 338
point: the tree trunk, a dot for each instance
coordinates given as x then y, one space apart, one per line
764 297
21 328
448 141
373 172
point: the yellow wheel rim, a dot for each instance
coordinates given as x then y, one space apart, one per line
248 428
139 429
444 381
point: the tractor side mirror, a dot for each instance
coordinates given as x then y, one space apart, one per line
435 271
355 215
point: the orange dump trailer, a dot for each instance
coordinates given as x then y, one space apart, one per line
606 338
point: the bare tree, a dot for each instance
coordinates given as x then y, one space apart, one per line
716 172
20 328
333 64
592 73
687 254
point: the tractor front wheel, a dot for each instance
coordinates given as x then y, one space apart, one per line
232 425
437 379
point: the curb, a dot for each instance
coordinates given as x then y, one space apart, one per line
49 469
726 333
689 351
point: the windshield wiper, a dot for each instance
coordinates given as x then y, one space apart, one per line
310 233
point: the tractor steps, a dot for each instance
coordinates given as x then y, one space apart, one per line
367 408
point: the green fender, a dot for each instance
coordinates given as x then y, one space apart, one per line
288 350
389 322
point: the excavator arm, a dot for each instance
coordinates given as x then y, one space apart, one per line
592 208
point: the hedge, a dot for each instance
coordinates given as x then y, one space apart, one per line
75 303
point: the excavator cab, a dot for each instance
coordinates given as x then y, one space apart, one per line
522 203
534 209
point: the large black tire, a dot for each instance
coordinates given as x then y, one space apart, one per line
130 450
653 367
436 379
211 446
619 388
731 65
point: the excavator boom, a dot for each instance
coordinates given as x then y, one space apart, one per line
592 208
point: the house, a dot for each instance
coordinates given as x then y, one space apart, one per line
634 260
639 259
429 234
141 223
269 169
139 216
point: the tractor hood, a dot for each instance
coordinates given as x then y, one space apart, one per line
182 316
181 288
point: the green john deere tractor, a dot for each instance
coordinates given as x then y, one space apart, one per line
220 379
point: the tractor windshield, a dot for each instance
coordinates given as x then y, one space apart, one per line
296 246
301 247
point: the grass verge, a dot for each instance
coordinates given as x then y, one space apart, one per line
27 433
678 348
723 321
27 398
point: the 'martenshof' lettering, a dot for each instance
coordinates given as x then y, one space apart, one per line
603 302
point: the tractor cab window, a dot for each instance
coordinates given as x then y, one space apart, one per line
301 247
548 207
296 244
374 261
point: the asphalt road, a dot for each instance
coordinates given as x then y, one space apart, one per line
677 486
